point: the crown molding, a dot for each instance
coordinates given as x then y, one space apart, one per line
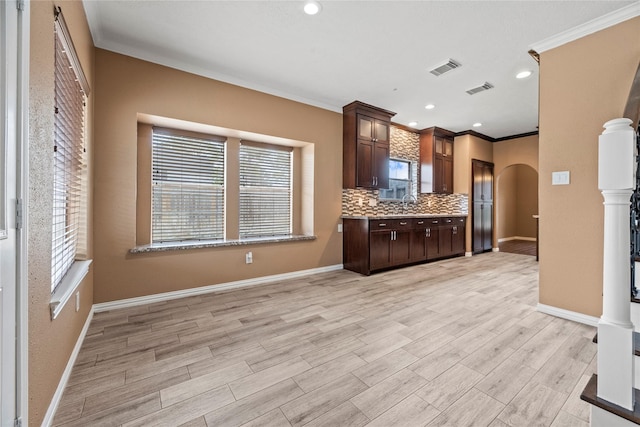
590 27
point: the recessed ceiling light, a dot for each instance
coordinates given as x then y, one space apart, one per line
523 74
312 7
430 106
412 124
477 125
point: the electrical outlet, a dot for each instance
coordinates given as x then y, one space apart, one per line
78 301
360 202
248 258
339 228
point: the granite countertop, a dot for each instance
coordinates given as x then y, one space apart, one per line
401 216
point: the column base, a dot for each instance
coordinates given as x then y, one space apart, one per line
616 364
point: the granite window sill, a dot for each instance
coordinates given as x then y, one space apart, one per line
200 244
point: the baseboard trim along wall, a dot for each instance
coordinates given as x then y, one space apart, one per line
506 239
166 296
57 396
567 314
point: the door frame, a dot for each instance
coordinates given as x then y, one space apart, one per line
15 121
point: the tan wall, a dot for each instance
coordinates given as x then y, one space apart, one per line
583 84
526 201
126 87
465 149
515 151
50 342
505 203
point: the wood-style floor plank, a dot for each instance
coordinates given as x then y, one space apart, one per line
452 343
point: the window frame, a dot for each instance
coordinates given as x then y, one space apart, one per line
69 251
193 184
408 182
259 228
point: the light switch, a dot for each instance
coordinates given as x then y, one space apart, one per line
560 178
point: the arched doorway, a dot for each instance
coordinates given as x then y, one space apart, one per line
516 203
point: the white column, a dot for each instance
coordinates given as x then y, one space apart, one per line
616 179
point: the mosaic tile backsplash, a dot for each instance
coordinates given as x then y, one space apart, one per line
404 145
434 204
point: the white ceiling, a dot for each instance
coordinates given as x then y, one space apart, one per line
378 52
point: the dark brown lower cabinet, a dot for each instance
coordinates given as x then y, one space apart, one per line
371 245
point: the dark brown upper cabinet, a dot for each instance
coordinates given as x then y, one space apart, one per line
365 157
436 161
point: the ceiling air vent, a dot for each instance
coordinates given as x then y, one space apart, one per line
482 88
447 66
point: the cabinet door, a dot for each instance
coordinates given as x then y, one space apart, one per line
487 183
447 175
379 249
457 240
381 131
419 245
487 226
365 127
438 145
446 237
438 174
364 164
401 247
433 242
381 165
448 147
401 242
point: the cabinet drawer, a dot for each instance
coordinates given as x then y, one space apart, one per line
447 221
400 224
381 224
459 220
422 223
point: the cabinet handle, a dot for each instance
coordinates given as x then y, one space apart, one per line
448 221
403 223
382 224
455 229
434 222
420 222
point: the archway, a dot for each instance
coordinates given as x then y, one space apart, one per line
516 203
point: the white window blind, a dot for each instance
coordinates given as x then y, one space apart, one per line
69 164
188 186
265 190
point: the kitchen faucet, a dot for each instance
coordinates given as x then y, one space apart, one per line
404 200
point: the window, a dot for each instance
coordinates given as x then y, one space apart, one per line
187 186
69 162
265 190
399 180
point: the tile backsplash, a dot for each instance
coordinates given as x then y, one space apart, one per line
357 202
404 145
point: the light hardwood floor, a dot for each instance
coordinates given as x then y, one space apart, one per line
451 343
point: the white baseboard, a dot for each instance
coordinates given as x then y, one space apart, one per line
506 239
57 396
495 249
569 315
468 254
166 296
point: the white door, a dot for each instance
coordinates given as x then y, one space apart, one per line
9 31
